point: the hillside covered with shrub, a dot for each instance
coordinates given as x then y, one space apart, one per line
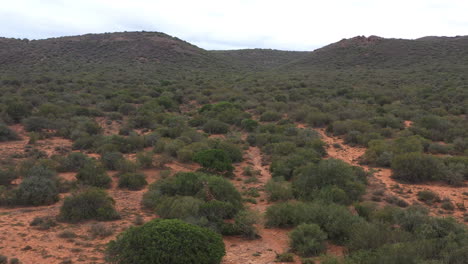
237 144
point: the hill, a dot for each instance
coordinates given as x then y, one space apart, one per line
377 52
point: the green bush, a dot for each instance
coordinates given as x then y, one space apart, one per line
166 241
35 191
6 134
145 159
132 181
179 207
73 162
249 125
334 219
215 160
244 224
345 183
428 197
417 167
215 210
278 190
308 240
215 127
111 160
284 257
43 223
202 186
88 204
7 176
270 116
94 175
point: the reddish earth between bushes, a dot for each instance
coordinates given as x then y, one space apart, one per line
29 245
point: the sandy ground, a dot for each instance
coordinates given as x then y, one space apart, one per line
16 236
19 148
272 241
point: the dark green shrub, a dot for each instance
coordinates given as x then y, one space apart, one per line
365 209
428 197
3 259
35 123
345 183
7 176
447 205
43 223
6 134
215 127
214 160
284 257
166 241
88 204
233 151
215 210
179 207
94 175
278 190
100 230
111 160
73 162
203 186
132 181
308 240
416 167
244 224
335 220
249 125
36 191
145 159
270 116
41 170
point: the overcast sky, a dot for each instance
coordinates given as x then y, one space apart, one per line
236 24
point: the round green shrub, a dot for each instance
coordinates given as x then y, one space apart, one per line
6 134
73 162
89 204
166 241
94 175
308 240
36 191
132 181
215 127
216 160
111 160
7 176
416 167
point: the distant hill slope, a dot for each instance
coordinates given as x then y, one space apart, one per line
376 52
128 52
259 59
141 56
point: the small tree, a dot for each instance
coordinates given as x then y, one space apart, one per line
6 134
308 240
36 191
166 241
214 160
132 181
88 204
94 175
416 167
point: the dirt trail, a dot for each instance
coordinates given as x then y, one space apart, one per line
382 176
272 241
